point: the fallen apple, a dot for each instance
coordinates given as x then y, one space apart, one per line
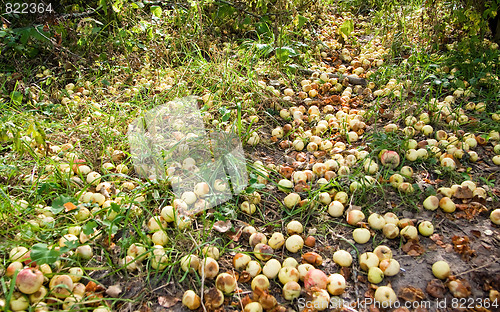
291 200
447 204
226 283
294 227
190 263
361 235
395 180
263 252
342 258
390 267
495 216
209 268
368 260
315 278
441 269
376 221
386 296
287 274
355 216
390 230
18 302
191 300
320 300
426 228
294 243
61 286
29 280
271 268
383 252
375 275
431 203
13 267
336 209
290 262
261 281
409 232
291 290
390 217
253 268
336 284
390 159
240 261
257 238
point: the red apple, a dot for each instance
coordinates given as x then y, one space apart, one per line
315 278
29 280
390 159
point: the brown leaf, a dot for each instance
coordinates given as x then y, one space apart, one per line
246 300
435 288
346 272
168 301
222 226
410 293
461 246
413 248
69 206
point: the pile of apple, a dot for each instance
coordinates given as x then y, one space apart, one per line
37 286
317 285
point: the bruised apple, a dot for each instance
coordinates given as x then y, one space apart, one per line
390 159
315 278
29 280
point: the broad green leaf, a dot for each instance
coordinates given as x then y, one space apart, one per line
301 21
42 254
156 10
58 203
115 207
347 28
89 227
284 53
16 97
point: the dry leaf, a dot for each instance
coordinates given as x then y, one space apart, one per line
168 301
413 248
410 293
461 246
435 288
69 206
222 226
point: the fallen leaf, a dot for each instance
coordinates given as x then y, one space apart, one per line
222 226
69 206
435 288
168 301
461 246
413 248
412 294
